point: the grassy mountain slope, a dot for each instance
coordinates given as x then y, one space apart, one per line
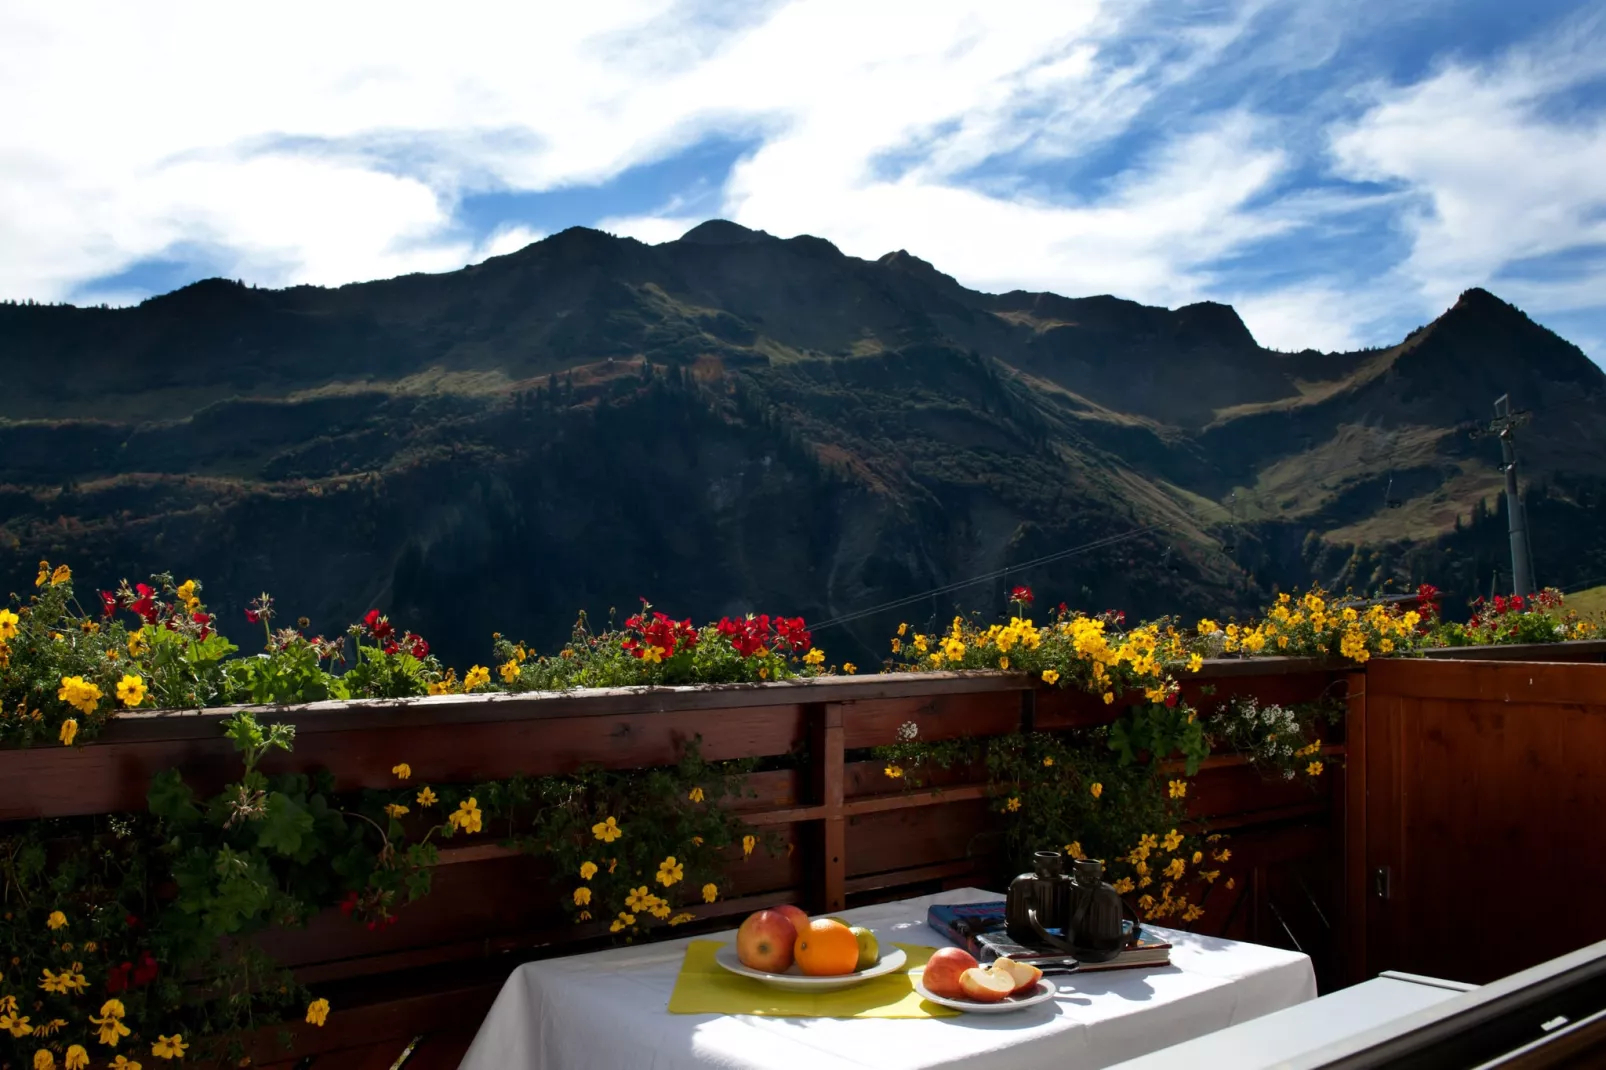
734 421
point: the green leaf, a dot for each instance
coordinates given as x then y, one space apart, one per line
171 799
283 826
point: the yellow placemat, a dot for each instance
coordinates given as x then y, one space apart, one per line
705 987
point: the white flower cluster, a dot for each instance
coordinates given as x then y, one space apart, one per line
908 731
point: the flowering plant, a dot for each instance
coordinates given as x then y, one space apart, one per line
1282 741
1312 625
1096 653
655 649
1542 618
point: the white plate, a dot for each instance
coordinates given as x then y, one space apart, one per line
795 978
1043 991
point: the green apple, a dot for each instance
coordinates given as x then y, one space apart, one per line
869 950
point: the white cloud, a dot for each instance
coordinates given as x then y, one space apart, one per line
342 154
1498 179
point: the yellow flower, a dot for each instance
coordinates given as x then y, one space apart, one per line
1172 841
1123 886
122 1062
584 915
1198 856
1109 697
1012 805
659 910
1146 903
60 576
849 668
1051 676
44 574
893 771
639 898
897 646
670 871
1223 855
680 919
611 863
1314 769
1096 790
1074 849
131 690
16 1026
587 870
55 983
169 1047
427 798
467 816
69 732
1003 662
1195 663
136 643
90 946
1210 875
395 809
186 591
56 920
695 795
1179 788
477 676
903 629
1193 913
697 841
78 693
748 843
1175 869
44 1060
77 1058
110 1022
710 893
8 624
607 831
402 771
582 896
621 921
814 657
510 671
1230 882
318 1012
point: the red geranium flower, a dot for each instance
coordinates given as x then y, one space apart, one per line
379 627
117 978
145 971
109 604
1022 595
145 605
205 621
416 646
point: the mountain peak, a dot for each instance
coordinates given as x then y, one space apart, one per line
1212 323
722 232
909 264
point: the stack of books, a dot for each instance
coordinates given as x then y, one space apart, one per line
979 929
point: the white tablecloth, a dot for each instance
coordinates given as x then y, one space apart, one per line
606 1011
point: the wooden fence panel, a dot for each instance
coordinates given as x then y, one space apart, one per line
1482 795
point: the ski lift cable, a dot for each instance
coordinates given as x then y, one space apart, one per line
1087 547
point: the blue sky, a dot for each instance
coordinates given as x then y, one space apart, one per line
1339 172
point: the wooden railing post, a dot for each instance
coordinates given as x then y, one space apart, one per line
828 771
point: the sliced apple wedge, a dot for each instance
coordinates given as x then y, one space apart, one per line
985 984
1024 974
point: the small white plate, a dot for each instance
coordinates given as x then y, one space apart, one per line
1043 991
795 978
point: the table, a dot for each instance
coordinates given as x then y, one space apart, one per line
607 1010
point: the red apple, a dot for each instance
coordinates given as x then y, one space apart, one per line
1024 974
799 919
943 969
985 984
764 942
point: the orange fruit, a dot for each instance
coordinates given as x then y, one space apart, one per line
826 949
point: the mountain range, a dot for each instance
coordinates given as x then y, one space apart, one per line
736 422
